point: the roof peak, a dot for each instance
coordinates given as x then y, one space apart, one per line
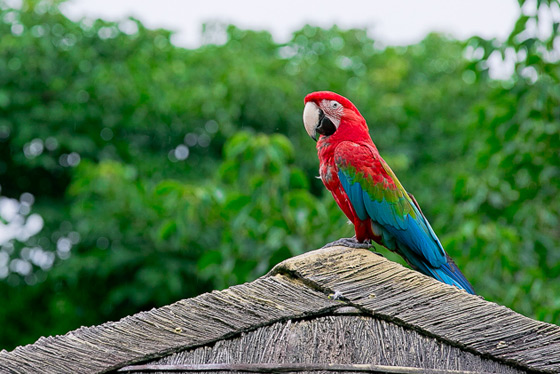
311 285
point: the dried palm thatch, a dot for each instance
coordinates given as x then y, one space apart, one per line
380 314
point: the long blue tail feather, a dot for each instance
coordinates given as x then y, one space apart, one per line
447 273
453 272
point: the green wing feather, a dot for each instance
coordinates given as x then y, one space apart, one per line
375 192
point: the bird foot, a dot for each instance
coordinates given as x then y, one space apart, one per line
352 243
349 242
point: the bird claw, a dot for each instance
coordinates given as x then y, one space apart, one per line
352 243
349 242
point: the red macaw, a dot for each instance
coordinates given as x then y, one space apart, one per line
369 193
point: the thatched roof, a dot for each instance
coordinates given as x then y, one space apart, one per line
311 285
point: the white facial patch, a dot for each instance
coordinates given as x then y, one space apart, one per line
333 110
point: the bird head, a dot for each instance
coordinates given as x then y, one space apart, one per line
325 111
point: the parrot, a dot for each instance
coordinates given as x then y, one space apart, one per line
368 191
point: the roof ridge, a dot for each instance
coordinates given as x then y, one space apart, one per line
313 284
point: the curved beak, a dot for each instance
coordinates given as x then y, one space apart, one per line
311 114
316 122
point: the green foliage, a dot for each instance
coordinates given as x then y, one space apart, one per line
508 200
161 172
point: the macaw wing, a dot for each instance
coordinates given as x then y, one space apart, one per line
376 193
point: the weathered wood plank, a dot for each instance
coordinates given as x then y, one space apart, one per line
289 368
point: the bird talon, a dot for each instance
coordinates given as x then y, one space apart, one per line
349 242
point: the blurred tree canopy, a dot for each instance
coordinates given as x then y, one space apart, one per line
135 173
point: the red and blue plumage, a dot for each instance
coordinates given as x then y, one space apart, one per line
367 190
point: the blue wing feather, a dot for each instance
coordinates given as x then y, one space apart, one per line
411 231
355 194
419 245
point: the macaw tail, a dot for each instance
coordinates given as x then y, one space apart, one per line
447 273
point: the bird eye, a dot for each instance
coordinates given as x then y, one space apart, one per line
335 104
